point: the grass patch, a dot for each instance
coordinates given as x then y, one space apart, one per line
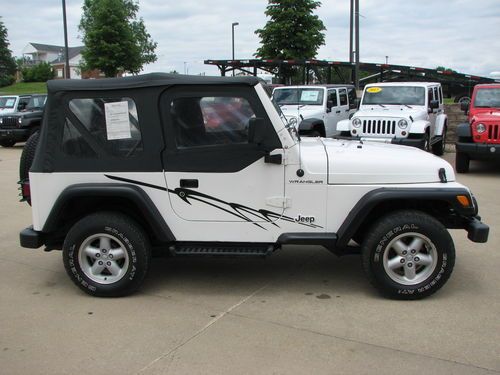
24 88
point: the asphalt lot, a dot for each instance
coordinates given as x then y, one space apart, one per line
301 311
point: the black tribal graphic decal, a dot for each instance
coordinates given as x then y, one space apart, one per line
243 212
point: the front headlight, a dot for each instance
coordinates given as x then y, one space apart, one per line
1 120
403 124
356 122
19 120
481 128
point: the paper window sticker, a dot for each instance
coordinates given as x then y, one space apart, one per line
309 96
117 120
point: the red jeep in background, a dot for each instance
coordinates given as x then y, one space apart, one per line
479 138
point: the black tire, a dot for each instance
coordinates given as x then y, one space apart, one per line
438 148
121 230
6 143
378 253
27 156
427 142
462 162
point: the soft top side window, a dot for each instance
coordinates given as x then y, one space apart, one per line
210 120
102 125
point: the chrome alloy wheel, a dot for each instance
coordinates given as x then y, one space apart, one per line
410 258
103 258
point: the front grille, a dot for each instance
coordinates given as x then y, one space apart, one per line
493 132
9 122
379 127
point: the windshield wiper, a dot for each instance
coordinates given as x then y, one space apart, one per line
406 105
383 106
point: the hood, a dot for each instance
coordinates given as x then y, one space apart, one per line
490 114
307 111
416 113
352 162
6 110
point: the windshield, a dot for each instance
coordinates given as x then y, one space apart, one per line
394 95
7 102
487 98
298 96
36 102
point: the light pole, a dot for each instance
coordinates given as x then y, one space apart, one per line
386 60
66 54
356 42
232 38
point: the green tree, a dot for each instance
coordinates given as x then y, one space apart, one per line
7 63
442 68
41 72
115 39
293 31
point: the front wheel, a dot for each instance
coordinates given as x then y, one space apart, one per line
408 255
106 254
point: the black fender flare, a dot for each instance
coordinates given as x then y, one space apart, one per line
463 130
133 193
367 203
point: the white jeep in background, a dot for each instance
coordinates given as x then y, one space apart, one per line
13 103
316 109
406 113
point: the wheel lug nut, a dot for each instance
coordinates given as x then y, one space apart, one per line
410 265
110 256
402 260
97 255
104 251
100 263
413 251
108 263
416 259
405 252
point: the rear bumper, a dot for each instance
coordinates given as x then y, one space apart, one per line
31 238
476 230
17 135
479 150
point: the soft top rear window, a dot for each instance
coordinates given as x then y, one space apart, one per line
102 125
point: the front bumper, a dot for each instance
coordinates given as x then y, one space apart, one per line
476 230
17 135
31 238
479 150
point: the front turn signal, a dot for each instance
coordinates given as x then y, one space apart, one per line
463 200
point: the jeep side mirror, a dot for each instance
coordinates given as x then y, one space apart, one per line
259 135
433 104
329 105
464 106
355 104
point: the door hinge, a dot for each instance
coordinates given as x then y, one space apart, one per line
281 202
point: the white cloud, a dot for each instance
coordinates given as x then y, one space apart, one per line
459 34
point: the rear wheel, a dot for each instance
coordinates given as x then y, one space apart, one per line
408 255
6 143
106 254
462 162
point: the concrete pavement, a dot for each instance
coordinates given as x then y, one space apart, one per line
301 311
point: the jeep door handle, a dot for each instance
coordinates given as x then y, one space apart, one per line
188 183
337 112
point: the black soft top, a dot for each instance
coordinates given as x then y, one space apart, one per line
145 80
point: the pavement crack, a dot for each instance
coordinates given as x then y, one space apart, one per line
204 328
363 342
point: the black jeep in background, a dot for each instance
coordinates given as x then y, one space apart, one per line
18 126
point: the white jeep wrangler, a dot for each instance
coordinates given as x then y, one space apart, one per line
316 109
208 166
407 113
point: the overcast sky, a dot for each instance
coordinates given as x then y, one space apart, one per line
461 34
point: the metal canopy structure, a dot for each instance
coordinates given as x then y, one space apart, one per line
453 83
